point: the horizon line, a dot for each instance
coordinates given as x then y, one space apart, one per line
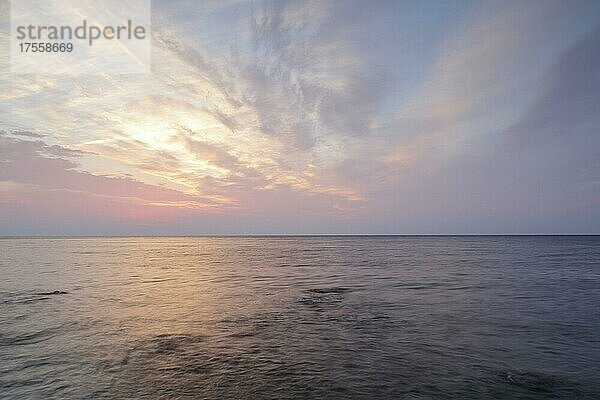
293 235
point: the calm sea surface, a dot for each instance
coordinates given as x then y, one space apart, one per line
300 318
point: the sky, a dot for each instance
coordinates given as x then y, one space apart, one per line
317 117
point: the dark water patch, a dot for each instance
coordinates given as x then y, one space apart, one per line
20 383
323 296
536 384
336 290
214 369
165 344
24 299
21 339
319 300
54 293
27 297
537 381
169 343
168 365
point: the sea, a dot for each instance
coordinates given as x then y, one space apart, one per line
300 317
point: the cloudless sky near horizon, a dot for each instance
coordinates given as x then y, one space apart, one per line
317 117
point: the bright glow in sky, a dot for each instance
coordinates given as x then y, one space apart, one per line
317 117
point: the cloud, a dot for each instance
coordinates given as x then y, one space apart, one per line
371 113
50 167
306 69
